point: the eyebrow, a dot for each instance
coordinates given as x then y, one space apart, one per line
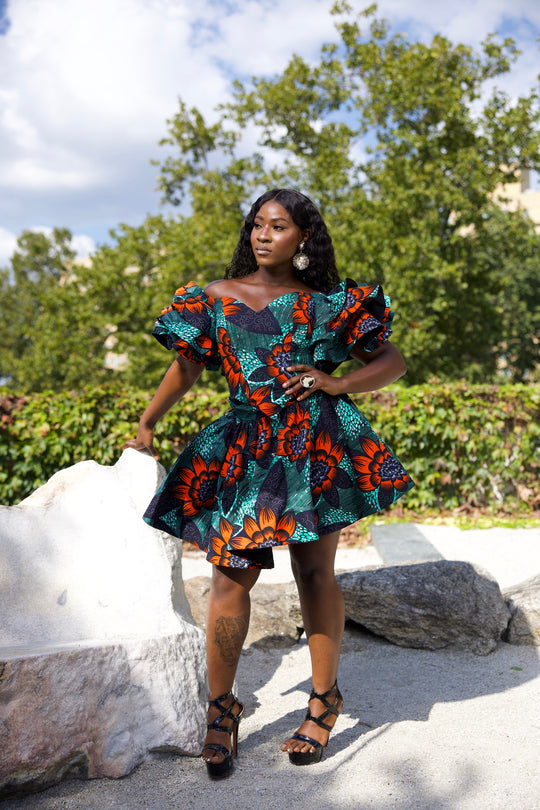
274 219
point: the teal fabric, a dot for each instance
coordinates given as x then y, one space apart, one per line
273 470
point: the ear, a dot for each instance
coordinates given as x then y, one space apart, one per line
305 235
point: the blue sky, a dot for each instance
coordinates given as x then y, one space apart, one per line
86 87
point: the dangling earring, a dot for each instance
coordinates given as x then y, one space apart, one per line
300 260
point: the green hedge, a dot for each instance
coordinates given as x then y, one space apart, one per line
463 445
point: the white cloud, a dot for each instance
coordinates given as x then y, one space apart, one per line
469 22
8 243
85 87
261 37
83 245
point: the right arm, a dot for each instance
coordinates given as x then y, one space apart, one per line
179 378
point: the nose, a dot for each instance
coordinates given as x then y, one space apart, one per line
264 234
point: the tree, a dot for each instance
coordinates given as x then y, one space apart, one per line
403 151
416 211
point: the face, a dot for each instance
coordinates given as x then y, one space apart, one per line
275 237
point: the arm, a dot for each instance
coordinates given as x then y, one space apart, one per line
383 366
179 378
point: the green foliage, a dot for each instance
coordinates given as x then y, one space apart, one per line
47 432
394 141
463 445
417 212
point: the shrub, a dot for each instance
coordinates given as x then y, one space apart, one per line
463 445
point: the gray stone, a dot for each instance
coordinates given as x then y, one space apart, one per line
276 620
524 603
101 662
428 605
95 711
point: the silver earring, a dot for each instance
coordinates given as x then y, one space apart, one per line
300 260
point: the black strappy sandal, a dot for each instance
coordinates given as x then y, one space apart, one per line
310 757
219 770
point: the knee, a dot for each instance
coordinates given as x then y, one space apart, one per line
312 576
229 586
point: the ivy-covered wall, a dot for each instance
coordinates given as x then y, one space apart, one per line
463 445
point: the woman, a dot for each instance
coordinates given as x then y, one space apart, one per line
293 462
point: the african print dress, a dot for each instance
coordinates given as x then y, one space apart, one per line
273 470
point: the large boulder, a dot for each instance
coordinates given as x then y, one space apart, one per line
276 620
101 662
524 603
428 605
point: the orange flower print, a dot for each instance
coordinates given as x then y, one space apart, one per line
186 350
267 530
232 469
378 468
304 311
262 400
207 350
231 364
325 461
218 553
294 438
230 306
260 446
197 489
275 362
185 301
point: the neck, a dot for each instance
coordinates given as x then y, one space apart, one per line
277 277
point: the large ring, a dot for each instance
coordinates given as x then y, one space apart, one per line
307 381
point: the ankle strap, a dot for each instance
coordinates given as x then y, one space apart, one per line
216 701
322 697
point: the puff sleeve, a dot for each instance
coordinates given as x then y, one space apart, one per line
357 315
188 326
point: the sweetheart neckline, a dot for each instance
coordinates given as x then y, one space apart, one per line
258 311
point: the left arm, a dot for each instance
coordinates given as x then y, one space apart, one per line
381 367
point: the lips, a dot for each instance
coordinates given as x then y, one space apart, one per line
262 251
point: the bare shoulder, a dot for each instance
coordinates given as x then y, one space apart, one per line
220 287
224 288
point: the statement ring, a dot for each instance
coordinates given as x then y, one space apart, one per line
307 381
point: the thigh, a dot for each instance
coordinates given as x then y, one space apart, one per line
318 555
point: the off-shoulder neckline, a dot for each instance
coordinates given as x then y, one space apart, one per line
337 288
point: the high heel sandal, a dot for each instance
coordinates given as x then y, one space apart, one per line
218 770
310 757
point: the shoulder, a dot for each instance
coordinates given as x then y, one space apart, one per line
220 288
227 287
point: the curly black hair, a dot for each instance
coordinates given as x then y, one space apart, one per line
321 274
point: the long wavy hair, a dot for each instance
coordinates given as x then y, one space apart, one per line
321 274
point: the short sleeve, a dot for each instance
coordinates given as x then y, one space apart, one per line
359 315
188 326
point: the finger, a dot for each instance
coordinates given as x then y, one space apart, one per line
141 447
302 368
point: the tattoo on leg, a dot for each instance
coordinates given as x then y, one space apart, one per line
230 632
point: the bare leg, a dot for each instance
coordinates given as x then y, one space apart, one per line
227 624
323 611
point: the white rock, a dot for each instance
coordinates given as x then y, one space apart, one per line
100 660
79 563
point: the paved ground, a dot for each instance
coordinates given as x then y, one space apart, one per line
420 730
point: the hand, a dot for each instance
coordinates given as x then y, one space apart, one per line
323 382
144 442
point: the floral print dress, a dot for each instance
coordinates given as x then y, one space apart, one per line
272 470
